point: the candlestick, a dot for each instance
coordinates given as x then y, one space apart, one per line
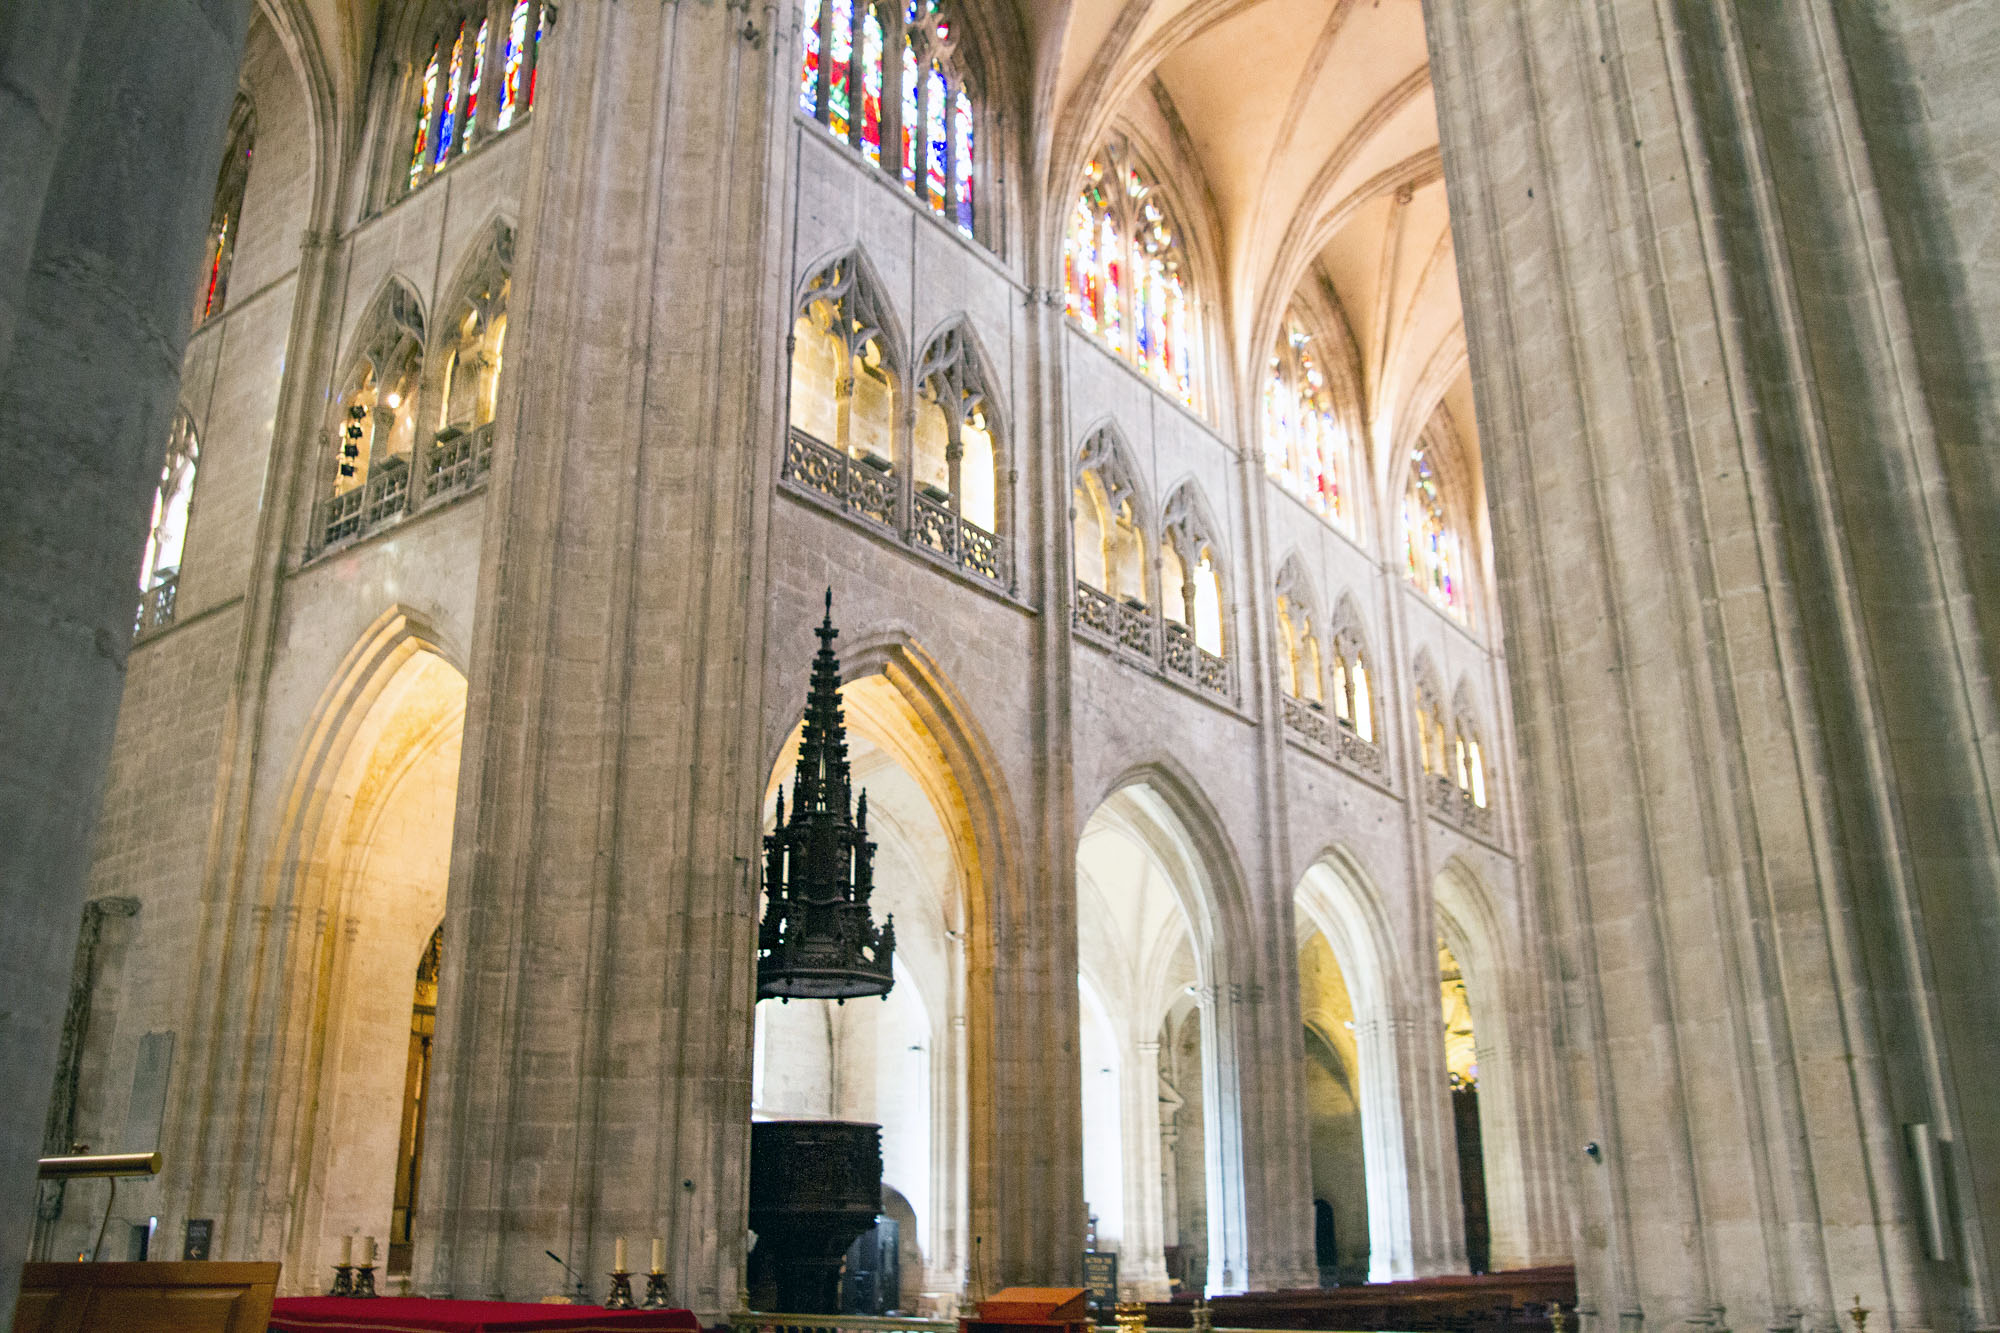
659 1255
621 1291
364 1279
618 1255
656 1292
343 1280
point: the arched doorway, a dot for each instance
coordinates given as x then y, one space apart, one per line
1359 1141
1333 1106
899 1061
1461 1061
1157 1179
376 806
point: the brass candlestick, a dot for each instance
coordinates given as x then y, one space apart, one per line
364 1281
656 1292
1859 1314
343 1280
1556 1316
621 1291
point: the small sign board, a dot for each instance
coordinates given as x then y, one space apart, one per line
1100 1278
200 1231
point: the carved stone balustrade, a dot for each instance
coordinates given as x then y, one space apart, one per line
156 605
1134 632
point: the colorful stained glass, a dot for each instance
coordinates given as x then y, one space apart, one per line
218 249
809 57
962 143
1304 443
510 65
1122 275
1428 542
910 110
937 147
445 126
534 69
871 86
426 112
478 78
840 58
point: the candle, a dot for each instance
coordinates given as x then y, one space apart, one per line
346 1251
659 1255
367 1251
618 1253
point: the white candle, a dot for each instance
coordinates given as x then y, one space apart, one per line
618 1256
346 1251
367 1251
659 1255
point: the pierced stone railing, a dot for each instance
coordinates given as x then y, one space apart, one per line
1363 754
858 487
1131 628
1455 805
965 544
156 605
459 463
1310 724
378 500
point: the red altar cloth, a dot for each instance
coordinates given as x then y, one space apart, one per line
417 1314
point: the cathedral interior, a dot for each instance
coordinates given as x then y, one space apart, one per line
1418 605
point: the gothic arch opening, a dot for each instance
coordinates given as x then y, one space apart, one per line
900 1061
1161 1140
1347 987
374 843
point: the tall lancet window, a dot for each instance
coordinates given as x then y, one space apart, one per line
1305 444
887 78
1125 276
476 79
1430 540
226 219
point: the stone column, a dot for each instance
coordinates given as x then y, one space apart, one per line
1755 707
106 185
1142 1252
593 1062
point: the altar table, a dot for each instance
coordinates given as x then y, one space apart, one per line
417 1314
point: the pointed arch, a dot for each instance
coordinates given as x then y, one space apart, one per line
371 431
958 443
1339 901
1301 646
1436 517
1193 587
1110 532
846 388
462 374
1433 720
1355 681
1469 755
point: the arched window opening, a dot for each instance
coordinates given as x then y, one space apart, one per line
1300 658
1468 755
1306 448
1125 275
478 80
375 424
1353 702
1432 731
1430 540
416 1101
852 55
166 537
957 499
1461 1056
226 218
1191 595
844 396
1110 548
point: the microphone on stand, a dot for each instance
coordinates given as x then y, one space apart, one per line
582 1294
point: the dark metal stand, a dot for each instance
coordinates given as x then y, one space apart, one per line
656 1293
621 1291
364 1281
343 1280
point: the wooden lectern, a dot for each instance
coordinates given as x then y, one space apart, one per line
146 1297
1030 1310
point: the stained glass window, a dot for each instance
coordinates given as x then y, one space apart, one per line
1430 544
225 217
1305 444
451 96
871 87
1124 277
840 63
462 56
894 91
511 64
426 116
167 536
